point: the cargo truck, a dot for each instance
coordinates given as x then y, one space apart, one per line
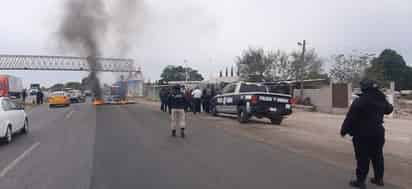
119 90
10 86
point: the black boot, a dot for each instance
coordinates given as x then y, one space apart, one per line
357 184
182 132
377 182
174 133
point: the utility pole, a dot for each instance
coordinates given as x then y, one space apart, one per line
301 67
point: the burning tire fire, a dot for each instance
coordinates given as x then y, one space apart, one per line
97 102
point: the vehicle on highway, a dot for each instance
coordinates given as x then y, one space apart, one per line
119 89
115 98
112 99
13 119
88 93
252 99
10 86
76 96
59 98
34 89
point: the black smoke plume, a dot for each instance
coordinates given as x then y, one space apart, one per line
85 25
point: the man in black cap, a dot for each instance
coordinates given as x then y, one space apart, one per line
364 122
177 104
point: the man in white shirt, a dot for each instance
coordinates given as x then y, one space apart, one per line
197 95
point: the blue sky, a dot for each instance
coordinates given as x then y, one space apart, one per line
210 33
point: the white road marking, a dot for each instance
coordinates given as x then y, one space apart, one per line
16 161
69 114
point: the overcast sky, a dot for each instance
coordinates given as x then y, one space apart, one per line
211 33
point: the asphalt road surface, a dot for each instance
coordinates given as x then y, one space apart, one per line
129 146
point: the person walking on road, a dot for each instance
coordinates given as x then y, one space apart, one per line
364 122
197 98
177 103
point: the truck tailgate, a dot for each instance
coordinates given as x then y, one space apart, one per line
273 102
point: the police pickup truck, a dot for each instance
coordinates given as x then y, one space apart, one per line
251 99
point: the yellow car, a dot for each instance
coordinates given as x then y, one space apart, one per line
59 98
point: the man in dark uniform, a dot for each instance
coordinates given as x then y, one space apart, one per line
177 104
163 99
206 97
41 97
38 97
364 122
24 95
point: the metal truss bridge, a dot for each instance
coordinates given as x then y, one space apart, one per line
65 63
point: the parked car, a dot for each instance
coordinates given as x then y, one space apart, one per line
252 99
59 98
13 119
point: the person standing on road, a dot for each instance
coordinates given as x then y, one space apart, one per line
169 92
177 103
197 98
23 95
38 97
206 97
163 99
364 122
41 94
188 97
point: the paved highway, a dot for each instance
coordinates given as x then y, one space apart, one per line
129 146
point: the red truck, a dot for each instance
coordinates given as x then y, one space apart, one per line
10 86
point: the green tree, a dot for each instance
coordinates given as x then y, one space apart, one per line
179 73
57 87
255 65
390 66
349 68
310 68
282 67
74 85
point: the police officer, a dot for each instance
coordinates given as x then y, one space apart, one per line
163 99
177 104
24 95
364 122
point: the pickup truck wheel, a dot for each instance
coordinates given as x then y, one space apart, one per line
276 121
242 115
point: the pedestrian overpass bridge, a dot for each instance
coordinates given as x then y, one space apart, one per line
65 63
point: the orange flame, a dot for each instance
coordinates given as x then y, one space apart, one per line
98 102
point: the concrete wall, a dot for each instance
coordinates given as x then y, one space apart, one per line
321 98
151 92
